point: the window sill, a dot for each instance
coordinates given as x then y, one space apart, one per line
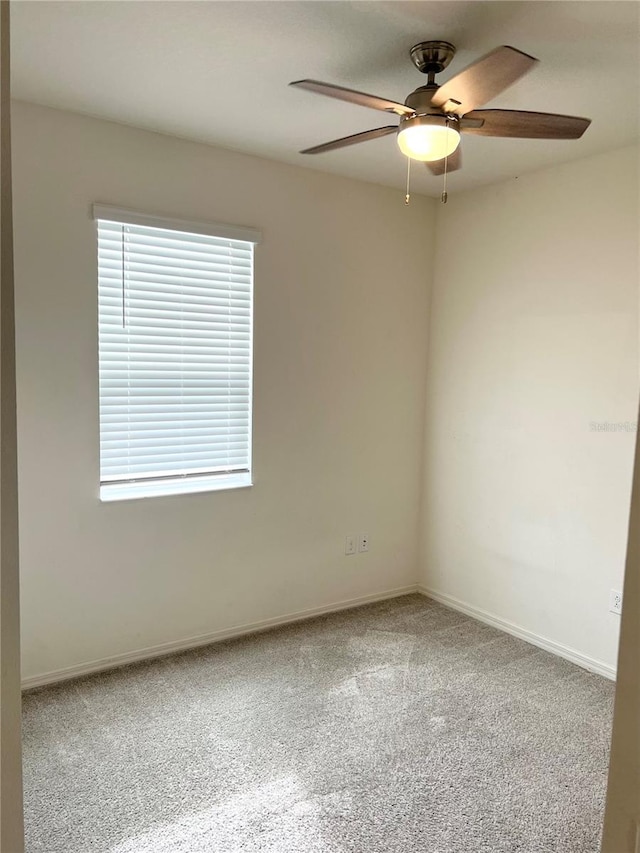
179 486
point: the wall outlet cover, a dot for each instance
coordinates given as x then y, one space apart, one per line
350 545
615 601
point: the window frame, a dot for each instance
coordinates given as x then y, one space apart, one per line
183 483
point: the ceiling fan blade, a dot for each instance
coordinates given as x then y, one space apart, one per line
526 125
483 80
454 162
351 140
353 97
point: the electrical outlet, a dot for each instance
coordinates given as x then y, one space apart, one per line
350 545
615 601
364 543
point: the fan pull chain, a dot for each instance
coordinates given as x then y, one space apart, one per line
408 196
443 197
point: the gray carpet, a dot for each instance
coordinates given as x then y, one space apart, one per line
397 727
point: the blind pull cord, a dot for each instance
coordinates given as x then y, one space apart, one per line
124 322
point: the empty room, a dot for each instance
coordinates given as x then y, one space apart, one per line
318 470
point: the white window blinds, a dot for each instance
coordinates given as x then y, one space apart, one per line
175 340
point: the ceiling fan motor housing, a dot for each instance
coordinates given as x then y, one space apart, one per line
420 100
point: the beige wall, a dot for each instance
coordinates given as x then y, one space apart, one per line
622 817
11 834
342 282
533 336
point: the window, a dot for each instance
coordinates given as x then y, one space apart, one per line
175 341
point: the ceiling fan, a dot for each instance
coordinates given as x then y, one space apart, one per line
433 117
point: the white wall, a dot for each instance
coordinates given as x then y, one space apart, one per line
342 281
533 336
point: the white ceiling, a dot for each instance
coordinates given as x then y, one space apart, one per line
217 72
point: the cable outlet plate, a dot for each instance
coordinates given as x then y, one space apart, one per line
615 601
363 543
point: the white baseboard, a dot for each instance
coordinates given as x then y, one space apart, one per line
163 649
586 662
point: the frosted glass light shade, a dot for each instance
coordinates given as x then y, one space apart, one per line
427 138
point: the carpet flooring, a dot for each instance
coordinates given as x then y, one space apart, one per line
398 727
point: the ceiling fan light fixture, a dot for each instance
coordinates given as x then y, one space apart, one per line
428 138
